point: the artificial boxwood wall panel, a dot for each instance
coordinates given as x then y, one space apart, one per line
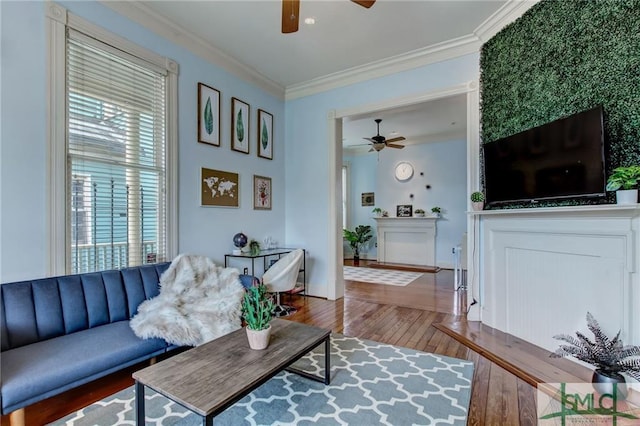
560 58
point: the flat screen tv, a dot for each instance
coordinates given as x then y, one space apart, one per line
561 159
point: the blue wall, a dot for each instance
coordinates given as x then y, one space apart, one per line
444 168
308 150
23 163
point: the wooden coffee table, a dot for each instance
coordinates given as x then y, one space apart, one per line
210 378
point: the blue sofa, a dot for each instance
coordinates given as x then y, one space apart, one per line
62 332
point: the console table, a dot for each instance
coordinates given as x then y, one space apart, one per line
266 256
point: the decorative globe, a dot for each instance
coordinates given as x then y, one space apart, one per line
240 240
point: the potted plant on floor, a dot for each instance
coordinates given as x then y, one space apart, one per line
625 181
257 310
477 200
608 356
356 239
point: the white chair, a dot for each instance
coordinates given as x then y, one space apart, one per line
281 277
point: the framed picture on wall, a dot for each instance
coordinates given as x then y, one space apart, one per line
208 115
261 193
404 210
219 188
368 198
240 125
265 135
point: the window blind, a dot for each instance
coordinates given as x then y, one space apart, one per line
115 158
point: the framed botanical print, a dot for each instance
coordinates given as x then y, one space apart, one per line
219 188
208 115
261 193
240 125
265 135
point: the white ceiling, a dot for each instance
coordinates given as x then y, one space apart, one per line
346 40
344 36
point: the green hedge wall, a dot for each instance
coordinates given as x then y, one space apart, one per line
560 58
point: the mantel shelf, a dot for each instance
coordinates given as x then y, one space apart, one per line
406 218
626 210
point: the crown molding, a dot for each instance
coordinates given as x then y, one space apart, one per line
406 61
507 14
162 26
439 52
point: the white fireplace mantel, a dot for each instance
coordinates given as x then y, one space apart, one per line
542 269
409 240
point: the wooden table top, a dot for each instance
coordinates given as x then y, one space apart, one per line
210 378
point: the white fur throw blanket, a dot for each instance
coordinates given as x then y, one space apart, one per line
198 302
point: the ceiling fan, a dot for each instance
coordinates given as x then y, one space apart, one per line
378 142
291 13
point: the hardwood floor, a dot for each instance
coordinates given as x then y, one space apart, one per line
402 316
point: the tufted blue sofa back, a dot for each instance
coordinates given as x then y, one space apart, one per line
31 311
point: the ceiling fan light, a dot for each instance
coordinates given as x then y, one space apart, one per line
309 21
378 146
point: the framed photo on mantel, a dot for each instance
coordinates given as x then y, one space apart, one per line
404 210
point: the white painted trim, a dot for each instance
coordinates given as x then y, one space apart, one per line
171 31
335 253
473 184
171 162
449 49
56 140
508 13
335 160
58 19
437 53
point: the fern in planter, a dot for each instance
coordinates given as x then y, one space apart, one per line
609 356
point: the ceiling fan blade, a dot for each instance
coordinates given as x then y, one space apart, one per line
290 16
370 140
371 149
398 139
364 3
392 145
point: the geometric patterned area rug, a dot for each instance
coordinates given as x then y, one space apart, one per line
380 276
371 383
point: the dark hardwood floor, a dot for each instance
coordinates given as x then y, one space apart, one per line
403 316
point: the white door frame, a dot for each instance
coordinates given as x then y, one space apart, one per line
335 286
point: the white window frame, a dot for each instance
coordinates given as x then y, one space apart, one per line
58 20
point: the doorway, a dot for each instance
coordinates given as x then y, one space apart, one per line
335 288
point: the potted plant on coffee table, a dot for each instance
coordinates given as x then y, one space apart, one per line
609 356
625 181
257 310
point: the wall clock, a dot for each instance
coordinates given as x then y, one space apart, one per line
404 171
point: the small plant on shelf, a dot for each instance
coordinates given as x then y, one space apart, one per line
254 247
477 197
624 178
436 210
419 212
377 211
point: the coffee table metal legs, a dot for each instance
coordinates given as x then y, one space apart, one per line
140 420
327 365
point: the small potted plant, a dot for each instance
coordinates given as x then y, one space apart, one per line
356 239
477 200
257 311
377 211
608 356
625 181
436 211
254 247
419 212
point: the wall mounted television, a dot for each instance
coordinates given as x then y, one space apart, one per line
558 160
